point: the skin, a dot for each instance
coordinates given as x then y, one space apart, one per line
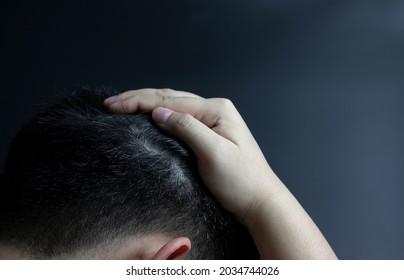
233 168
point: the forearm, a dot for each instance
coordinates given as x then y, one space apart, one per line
282 229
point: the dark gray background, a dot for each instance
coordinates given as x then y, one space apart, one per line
319 82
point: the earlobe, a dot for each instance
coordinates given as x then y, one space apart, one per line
174 249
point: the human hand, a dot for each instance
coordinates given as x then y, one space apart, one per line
233 168
230 162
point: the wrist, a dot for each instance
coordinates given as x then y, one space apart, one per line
264 197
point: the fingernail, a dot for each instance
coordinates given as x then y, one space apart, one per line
160 115
111 100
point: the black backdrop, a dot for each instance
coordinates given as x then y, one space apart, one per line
319 82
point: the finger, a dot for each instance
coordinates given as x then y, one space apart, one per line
219 114
145 103
203 141
148 91
165 92
208 111
128 102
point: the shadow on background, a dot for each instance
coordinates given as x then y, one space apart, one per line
320 84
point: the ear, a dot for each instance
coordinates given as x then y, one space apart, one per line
174 249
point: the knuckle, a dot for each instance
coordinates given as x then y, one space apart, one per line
126 106
166 90
184 121
225 103
163 94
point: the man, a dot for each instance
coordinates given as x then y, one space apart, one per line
234 170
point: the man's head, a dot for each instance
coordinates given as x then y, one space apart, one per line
81 182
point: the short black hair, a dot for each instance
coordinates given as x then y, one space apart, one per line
77 176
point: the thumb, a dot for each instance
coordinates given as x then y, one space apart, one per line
201 139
